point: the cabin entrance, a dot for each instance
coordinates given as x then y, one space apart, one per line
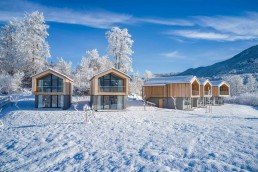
160 103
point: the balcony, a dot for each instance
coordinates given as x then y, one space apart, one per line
195 92
111 89
45 89
224 93
206 93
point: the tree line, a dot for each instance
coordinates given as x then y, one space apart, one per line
24 51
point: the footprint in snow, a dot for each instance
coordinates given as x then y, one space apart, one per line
78 157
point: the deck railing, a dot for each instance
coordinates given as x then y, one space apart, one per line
195 92
50 89
111 89
206 93
224 93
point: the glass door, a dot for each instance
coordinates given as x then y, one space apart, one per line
46 101
106 102
54 102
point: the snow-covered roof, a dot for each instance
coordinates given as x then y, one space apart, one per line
50 69
110 69
204 81
170 80
218 83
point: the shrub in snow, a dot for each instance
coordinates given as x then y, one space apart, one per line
244 99
9 83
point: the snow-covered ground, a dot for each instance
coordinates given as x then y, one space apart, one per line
131 140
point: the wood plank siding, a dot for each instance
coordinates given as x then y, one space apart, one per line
169 90
215 91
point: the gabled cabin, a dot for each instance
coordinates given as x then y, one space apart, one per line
206 92
52 89
166 92
109 90
220 89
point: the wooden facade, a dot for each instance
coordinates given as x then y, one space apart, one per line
221 90
173 90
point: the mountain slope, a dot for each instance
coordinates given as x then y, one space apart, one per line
244 62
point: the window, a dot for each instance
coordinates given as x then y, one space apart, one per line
50 83
111 83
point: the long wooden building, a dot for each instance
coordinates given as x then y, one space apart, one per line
178 92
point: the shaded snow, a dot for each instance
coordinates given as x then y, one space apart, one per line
131 140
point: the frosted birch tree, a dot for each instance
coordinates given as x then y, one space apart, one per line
120 47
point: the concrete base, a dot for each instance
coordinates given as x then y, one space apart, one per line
181 103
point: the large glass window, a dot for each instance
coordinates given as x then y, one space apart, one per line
50 83
111 102
111 83
50 101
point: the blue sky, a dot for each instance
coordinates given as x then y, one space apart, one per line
169 36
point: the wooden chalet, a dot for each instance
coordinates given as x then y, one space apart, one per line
109 90
52 89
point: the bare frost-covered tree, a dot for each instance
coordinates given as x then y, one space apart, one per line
64 67
34 45
82 76
90 65
98 63
148 75
120 47
10 83
236 83
11 51
135 85
23 46
251 83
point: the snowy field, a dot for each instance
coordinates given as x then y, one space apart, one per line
131 140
